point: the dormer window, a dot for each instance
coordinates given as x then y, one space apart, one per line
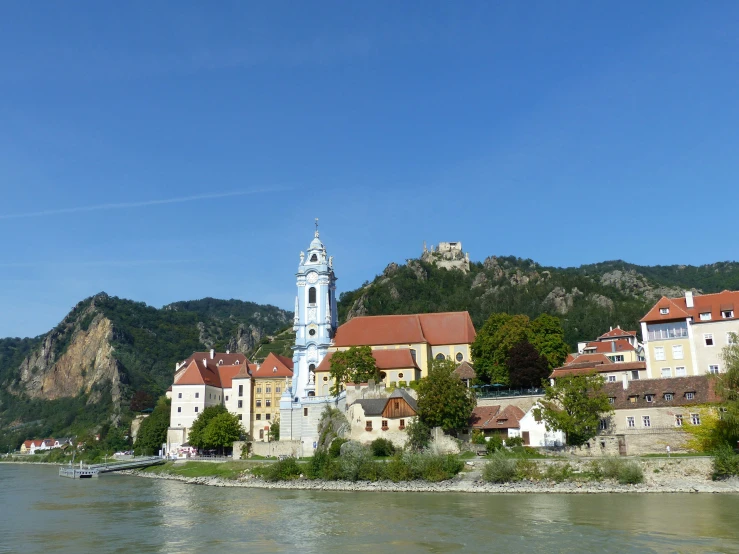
727 313
220 362
649 397
664 311
706 316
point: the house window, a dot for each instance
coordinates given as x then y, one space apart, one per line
413 354
227 399
325 379
312 295
258 417
402 424
196 409
241 417
179 409
678 420
672 330
712 369
197 395
705 316
689 395
630 422
460 356
267 416
668 396
611 378
259 390
277 390
664 311
645 421
400 375
659 353
368 425
241 390
635 375
666 372
179 395
261 431
695 419
603 425
268 390
632 399
649 397
677 351
731 338
680 371
611 399
259 403
440 356
708 338
727 313
384 425
305 411
268 403
617 358
241 404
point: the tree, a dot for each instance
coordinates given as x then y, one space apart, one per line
419 435
141 400
153 430
355 365
526 367
548 337
443 399
727 389
222 430
198 436
274 430
575 405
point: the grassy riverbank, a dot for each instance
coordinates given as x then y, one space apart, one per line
224 470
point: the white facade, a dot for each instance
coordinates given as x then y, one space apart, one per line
188 401
537 431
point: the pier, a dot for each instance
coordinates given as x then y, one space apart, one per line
93 471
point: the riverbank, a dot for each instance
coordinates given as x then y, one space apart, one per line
661 476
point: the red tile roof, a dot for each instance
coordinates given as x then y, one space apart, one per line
200 369
702 387
493 417
606 347
434 329
703 303
617 332
274 366
583 368
399 358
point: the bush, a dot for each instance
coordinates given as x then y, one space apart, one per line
494 444
527 469
283 470
514 441
499 469
398 469
402 384
478 437
335 449
419 435
725 463
559 472
626 472
382 447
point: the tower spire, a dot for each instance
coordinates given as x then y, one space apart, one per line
316 227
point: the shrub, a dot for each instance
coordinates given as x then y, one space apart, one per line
335 449
494 444
527 469
478 437
559 472
514 441
382 447
626 472
398 469
631 473
499 469
402 384
356 465
725 463
283 470
419 435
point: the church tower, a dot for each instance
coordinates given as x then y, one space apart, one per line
316 320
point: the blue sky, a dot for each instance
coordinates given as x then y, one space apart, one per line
176 150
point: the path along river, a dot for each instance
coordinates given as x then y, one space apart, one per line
41 512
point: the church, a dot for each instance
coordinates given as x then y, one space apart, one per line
297 390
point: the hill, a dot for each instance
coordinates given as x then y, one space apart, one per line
588 299
86 370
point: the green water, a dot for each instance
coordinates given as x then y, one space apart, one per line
41 512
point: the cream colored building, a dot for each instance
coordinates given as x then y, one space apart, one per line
685 336
270 378
387 418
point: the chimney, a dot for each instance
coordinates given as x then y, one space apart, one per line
689 298
212 353
611 328
626 381
205 362
228 351
613 346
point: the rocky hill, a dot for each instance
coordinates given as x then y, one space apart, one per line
588 299
85 370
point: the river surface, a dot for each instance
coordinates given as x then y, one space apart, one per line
41 512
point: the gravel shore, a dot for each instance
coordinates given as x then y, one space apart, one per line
672 476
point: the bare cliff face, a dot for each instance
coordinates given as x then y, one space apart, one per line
86 365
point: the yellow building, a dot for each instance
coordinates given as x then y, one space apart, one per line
403 344
269 379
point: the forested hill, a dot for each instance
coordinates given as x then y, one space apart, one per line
86 370
588 299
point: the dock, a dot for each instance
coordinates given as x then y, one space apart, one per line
93 471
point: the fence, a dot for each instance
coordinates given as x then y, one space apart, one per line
502 393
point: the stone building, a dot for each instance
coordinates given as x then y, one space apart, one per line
448 255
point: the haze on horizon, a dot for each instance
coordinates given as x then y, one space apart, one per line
182 150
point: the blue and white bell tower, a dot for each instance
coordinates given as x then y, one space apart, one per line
315 323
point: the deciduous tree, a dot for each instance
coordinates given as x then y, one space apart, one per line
354 365
198 436
153 431
526 367
222 430
443 399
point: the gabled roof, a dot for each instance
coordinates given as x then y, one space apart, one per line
617 332
610 346
676 311
200 369
274 366
433 329
397 358
702 303
226 373
702 387
493 417
465 371
376 406
598 363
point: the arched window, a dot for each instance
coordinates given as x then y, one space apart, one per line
460 356
440 356
312 295
314 258
312 367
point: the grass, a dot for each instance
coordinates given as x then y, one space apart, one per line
504 468
224 470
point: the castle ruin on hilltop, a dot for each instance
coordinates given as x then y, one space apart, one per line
448 255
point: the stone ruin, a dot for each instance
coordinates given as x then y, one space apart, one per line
448 255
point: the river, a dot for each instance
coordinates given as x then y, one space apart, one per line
41 512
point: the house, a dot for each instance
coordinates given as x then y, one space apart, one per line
396 366
270 379
534 432
388 417
415 339
685 336
503 421
611 371
616 344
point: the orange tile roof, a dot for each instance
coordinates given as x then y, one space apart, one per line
399 358
274 366
617 332
585 368
226 374
434 329
492 417
200 369
702 303
606 347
